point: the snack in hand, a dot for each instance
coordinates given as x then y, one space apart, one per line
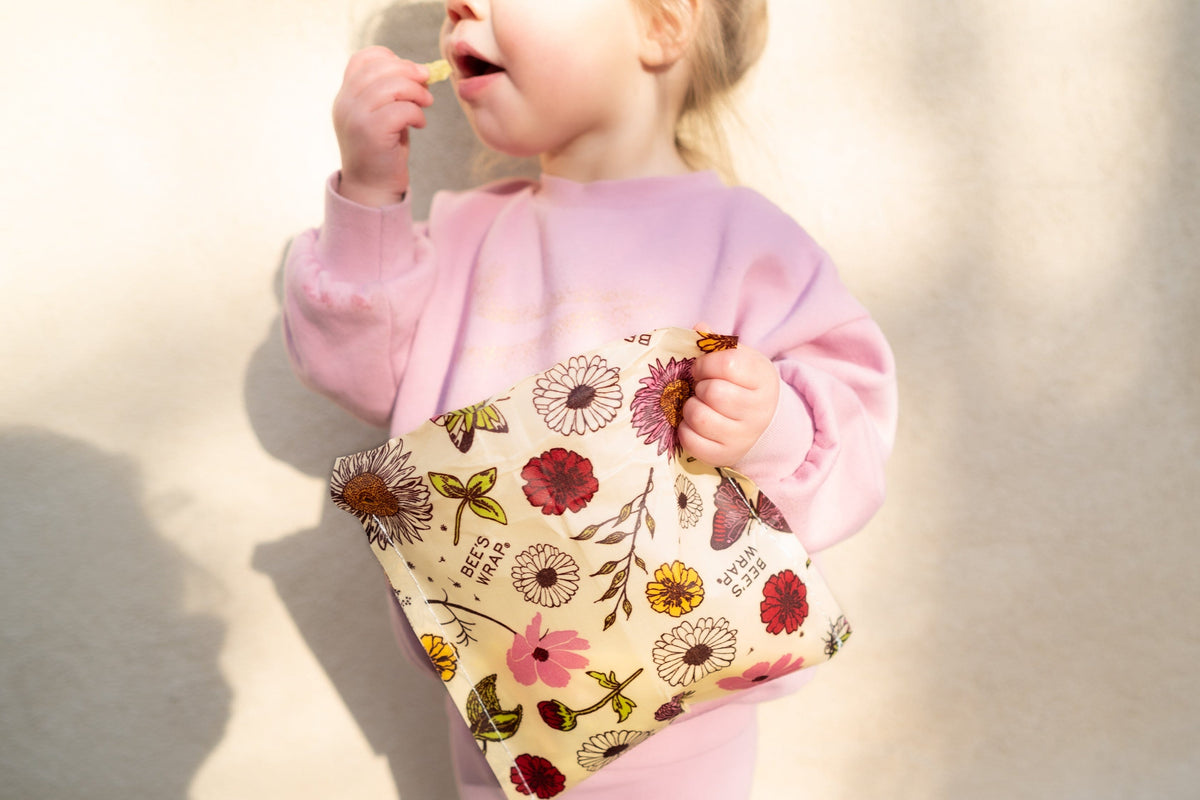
438 71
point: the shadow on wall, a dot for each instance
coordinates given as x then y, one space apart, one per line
326 577
332 586
96 636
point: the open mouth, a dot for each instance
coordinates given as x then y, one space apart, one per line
470 66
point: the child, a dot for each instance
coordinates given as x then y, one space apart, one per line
622 234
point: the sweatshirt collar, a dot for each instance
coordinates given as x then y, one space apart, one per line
627 192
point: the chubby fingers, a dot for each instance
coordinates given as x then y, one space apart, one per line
376 77
715 438
734 400
743 367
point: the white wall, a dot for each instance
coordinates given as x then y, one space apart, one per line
1011 187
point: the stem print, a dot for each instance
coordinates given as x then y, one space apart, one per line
559 716
471 496
621 568
464 626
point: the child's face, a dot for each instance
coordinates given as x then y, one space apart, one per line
539 77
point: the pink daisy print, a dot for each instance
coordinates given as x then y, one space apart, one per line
545 657
762 672
658 406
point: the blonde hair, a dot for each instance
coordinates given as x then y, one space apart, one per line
728 38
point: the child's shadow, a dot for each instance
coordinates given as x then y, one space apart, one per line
332 587
112 686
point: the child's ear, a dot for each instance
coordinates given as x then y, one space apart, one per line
668 30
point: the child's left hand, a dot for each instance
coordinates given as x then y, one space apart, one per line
735 396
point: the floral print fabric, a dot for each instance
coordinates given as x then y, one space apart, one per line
577 580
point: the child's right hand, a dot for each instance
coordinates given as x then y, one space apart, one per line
382 96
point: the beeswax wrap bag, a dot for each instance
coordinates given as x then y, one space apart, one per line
576 580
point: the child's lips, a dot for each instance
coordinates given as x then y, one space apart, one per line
473 72
469 89
469 63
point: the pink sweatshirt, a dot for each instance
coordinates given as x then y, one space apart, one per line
399 321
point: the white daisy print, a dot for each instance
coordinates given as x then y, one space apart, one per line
581 395
693 650
606 748
688 501
546 575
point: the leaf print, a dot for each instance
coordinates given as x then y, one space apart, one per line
471 496
464 626
489 722
561 717
636 511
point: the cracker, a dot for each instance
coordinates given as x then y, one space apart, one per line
438 71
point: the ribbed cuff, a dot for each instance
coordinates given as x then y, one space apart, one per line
361 243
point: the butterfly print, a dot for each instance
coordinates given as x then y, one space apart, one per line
462 424
734 511
715 342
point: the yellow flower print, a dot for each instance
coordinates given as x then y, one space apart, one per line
442 655
675 590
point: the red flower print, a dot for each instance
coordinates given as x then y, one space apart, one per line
556 714
785 603
658 406
559 480
537 776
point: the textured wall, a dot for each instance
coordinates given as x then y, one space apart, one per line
1012 187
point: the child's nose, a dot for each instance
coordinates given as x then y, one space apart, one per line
457 10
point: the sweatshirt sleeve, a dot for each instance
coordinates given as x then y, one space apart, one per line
821 460
353 292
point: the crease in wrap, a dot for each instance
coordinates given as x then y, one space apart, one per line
577 581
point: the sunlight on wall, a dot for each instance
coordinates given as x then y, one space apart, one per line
1011 188
1081 97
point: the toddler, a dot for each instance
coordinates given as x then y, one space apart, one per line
628 228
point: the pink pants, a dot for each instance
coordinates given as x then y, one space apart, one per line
709 756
